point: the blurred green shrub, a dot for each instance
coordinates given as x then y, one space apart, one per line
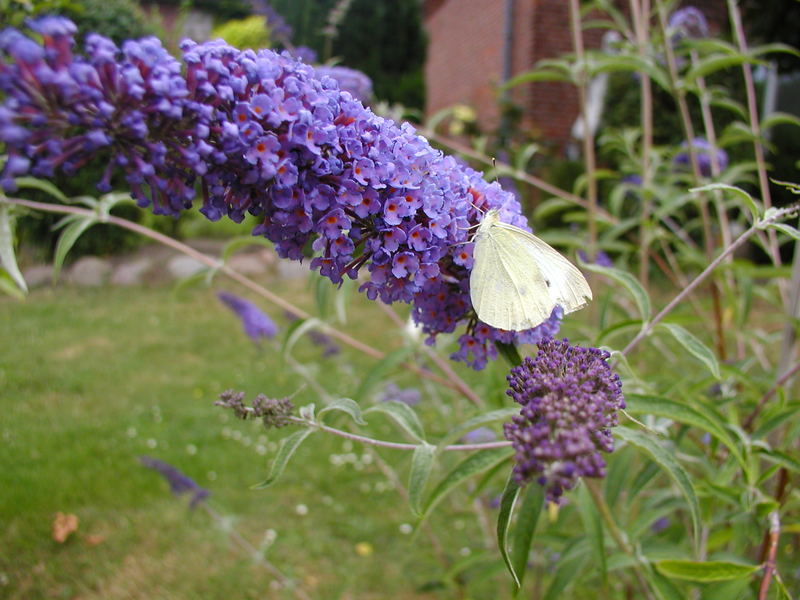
251 32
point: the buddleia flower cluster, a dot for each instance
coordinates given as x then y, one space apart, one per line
570 398
260 133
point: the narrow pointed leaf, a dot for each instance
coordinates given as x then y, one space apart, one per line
667 461
345 405
472 465
42 185
639 404
507 502
697 348
747 199
287 448
8 259
403 415
67 239
524 528
629 282
593 527
421 466
705 572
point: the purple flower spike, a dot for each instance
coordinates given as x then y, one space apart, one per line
256 324
179 483
688 22
704 153
240 133
570 398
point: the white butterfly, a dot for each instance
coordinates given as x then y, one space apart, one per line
517 279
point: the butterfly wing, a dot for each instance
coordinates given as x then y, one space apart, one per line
565 284
517 279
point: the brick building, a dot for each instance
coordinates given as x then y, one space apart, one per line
475 45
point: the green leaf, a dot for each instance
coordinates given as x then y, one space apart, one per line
381 370
704 572
785 460
566 574
682 413
667 461
41 185
593 527
537 75
345 405
297 330
787 229
403 415
475 463
322 296
629 282
779 118
717 62
287 448
421 466
524 528
747 199
697 348
67 239
8 286
8 259
662 586
501 414
507 502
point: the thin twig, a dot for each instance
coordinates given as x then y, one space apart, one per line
777 216
440 362
588 138
245 545
769 563
361 439
748 422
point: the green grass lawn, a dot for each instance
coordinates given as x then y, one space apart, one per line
92 379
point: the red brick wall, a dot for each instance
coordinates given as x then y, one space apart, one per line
465 58
465 55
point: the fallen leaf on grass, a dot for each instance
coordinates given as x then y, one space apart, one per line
64 526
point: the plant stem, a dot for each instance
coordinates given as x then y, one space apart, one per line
361 439
619 536
588 138
640 13
251 550
769 563
777 216
235 275
440 362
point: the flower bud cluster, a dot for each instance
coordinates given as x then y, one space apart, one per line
274 412
570 398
